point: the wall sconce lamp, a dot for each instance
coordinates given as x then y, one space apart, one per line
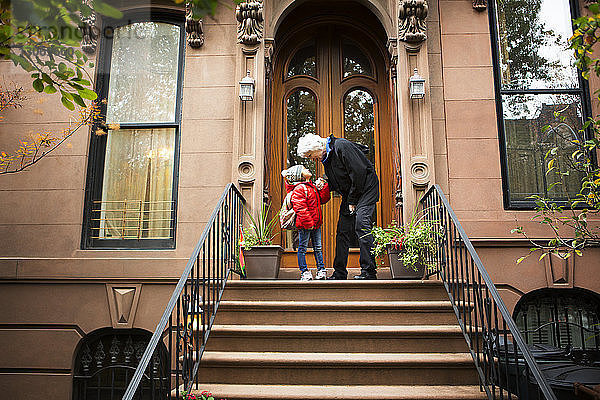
417 86
247 88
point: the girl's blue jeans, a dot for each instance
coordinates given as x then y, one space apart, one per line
315 236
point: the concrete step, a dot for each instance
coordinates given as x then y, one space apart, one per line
358 392
337 368
335 313
335 290
291 271
332 339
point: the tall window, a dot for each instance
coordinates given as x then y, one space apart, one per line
133 161
540 97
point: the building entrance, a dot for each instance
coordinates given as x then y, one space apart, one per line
330 78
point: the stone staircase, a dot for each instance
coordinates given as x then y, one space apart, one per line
337 340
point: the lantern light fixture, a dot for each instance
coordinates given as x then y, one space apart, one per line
247 88
417 86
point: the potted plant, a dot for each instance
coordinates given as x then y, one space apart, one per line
407 246
262 258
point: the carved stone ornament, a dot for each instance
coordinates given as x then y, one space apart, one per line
269 58
89 34
193 28
480 5
393 53
411 20
559 271
249 15
419 172
122 303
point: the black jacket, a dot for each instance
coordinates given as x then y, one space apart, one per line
349 172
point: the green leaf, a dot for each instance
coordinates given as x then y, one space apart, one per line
50 89
105 9
47 78
38 85
520 259
67 103
66 95
87 94
78 100
81 81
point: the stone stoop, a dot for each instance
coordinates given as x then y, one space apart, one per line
340 340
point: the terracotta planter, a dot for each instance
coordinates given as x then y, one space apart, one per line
262 262
399 271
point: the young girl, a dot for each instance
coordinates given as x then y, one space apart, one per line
306 199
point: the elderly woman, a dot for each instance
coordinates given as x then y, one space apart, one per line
350 173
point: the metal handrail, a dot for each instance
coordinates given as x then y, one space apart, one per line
196 296
481 312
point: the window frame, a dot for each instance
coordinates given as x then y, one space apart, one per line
582 91
554 295
97 149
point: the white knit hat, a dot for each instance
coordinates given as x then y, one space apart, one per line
293 174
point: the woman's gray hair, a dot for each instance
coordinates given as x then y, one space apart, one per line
309 143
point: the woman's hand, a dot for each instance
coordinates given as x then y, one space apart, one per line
320 183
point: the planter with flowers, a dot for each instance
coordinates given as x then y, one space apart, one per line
407 246
261 257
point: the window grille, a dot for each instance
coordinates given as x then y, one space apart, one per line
106 361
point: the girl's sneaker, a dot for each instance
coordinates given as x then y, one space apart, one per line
306 276
321 274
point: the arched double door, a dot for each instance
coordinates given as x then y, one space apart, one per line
330 78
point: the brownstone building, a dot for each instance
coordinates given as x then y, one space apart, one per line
95 236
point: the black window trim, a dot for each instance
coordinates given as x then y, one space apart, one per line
583 91
97 148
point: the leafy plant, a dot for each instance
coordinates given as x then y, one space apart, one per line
43 38
205 395
415 240
568 220
261 230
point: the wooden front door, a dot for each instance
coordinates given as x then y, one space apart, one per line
330 78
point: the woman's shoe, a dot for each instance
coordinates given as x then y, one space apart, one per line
365 276
321 275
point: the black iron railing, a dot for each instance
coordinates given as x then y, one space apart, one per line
506 367
187 320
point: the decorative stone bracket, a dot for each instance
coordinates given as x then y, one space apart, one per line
480 5
411 20
559 271
123 302
193 28
249 15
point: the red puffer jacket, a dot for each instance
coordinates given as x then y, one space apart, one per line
306 201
